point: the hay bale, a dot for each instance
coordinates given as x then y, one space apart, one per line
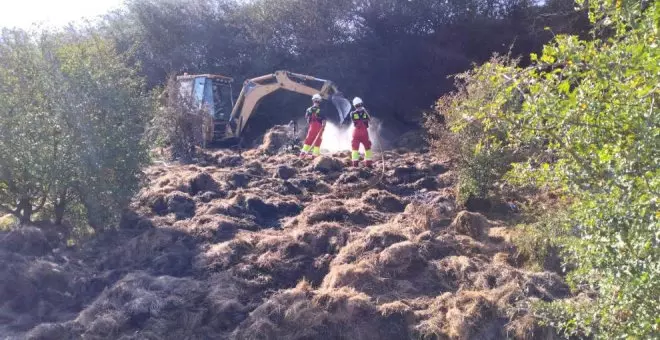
221 256
275 139
165 306
150 248
34 290
364 215
399 257
347 178
260 208
209 196
324 211
288 188
255 168
325 314
27 240
287 208
394 308
238 180
383 236
383 201
226 309
326 164
469 316
426 183
321 188
202 182
456 271
501 258
216 227
181 204
229 161
285 172
470 224
154 201
324 238
362 277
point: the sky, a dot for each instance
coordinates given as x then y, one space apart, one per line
55 13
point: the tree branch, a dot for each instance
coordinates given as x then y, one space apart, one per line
42 203
4 209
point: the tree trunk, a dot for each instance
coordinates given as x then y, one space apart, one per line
24 210
59 213
60 207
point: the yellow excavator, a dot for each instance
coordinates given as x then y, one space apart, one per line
226 119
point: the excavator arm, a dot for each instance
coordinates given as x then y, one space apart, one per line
255 89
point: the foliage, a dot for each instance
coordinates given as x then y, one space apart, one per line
72 117
455 132
394 54
587 126
177 124
8 222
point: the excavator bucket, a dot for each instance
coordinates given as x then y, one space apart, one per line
343 106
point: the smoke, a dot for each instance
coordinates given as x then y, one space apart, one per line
338 138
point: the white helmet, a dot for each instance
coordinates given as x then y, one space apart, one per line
357 101
317 97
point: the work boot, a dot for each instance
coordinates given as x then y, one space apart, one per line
355 163
303 155
369 164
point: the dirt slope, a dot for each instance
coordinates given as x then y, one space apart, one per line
265 246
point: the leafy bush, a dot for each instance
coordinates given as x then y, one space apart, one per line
8 222
586 126
482 152
178 124
72 118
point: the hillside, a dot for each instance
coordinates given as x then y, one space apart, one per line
263 246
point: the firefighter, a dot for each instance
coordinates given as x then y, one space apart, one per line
360 118
316 123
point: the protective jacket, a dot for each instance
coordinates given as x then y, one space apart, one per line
361 118
314 132
313 114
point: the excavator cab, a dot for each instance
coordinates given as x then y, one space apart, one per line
212 94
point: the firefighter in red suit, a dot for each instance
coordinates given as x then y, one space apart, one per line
360 118
315 131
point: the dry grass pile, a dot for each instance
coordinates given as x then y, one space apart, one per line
285 172
26 240
302 313
275 139
277 259
39 289
161 251
155 308
471 224
268 246
347 212
497 311
383 201
326 164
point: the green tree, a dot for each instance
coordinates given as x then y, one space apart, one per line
584 116
72 117
395 54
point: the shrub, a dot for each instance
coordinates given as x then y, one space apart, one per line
586 126
72 117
